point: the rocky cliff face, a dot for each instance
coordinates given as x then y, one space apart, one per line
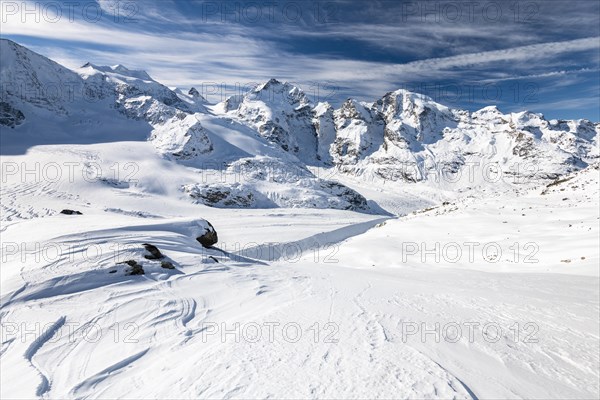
324 124
280 113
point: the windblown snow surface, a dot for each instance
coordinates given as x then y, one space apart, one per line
422 290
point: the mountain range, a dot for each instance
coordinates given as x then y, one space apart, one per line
275 137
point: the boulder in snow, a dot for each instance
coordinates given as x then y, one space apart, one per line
155 253
209 237
70 212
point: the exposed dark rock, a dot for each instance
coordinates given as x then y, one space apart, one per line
70 212
356 201
10 116
209 238
225 196
136 269
155 253
167 264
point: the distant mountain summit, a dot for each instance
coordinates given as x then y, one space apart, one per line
282 114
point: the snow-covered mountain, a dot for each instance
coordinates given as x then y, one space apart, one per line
409 137
104 104
281 113
403 136
51 104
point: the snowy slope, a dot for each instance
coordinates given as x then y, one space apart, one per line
352 296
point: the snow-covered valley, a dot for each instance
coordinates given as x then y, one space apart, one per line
397 249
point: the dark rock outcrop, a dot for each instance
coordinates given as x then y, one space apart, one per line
209 238
155 253
136 268
70 212
10 116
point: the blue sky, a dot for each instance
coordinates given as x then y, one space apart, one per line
542 56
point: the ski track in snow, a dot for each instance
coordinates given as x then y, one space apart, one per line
35 346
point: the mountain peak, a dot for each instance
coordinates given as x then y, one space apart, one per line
406 92
119 69
487 113
321 108
277 92
490 109
272 84
196 95
412 97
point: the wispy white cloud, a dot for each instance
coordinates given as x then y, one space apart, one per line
551 74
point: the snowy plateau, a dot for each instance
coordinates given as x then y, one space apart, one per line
157 245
